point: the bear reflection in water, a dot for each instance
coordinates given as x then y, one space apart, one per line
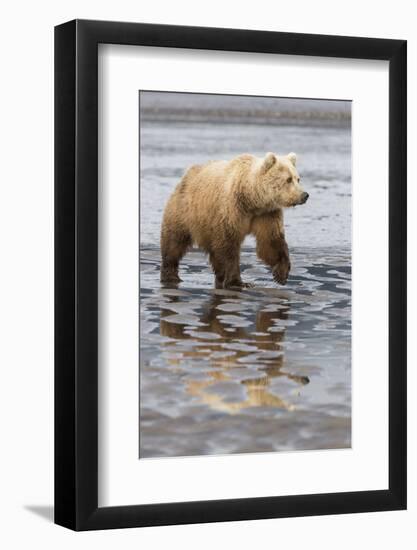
226 347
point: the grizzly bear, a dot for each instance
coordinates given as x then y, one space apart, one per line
218 203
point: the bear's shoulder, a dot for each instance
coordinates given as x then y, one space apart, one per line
242 164
245 158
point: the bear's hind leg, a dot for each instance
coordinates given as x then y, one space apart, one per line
174 244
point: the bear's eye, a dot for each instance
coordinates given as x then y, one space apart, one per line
289 180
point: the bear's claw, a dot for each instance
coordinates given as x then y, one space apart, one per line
280 273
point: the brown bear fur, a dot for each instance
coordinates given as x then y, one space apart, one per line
217 204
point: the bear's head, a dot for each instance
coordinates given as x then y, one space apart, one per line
278 182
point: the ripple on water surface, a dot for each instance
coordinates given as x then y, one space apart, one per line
263 369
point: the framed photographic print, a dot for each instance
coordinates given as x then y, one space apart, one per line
230 253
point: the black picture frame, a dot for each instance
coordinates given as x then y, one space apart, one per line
76 272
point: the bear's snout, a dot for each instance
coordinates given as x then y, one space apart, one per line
304 197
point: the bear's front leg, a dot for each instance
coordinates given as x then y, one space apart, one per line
225 261
218 266
232 277
232 272
271 246
281 269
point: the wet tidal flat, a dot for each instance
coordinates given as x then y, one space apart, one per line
263 369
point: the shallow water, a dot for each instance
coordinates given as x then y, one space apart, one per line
263 369
267 368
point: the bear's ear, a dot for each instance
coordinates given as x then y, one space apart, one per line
292 157
269 161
